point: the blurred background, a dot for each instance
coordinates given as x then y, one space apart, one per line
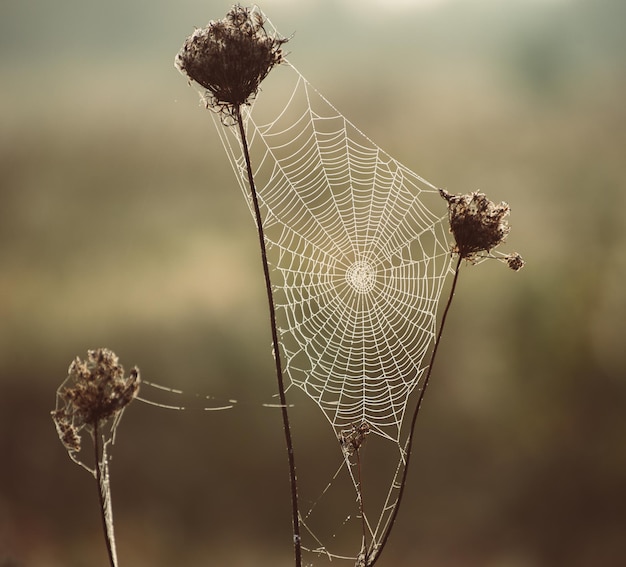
121 225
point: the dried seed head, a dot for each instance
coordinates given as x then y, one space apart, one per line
515 261
94 392
478 225
352 439
230 58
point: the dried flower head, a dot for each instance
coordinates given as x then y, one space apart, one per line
514 261
230 58
352 439
478 225
95 392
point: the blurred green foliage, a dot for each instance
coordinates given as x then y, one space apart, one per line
121 225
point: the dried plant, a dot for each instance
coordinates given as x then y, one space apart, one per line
94 393
478 226
230 58
351 441
91 401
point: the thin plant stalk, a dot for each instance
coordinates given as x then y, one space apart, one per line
277 358
104 496
360 491
415 412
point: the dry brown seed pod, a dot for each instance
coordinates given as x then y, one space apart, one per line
230 58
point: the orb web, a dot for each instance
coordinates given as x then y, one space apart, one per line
359 251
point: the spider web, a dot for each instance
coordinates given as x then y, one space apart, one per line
359 250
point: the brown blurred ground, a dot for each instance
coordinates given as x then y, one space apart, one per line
121 225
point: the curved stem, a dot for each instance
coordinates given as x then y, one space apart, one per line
361 505
279 371
105 502
409 443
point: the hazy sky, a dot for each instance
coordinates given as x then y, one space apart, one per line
386 5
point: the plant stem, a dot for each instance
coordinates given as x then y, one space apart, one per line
361 506
279 371
416 411
105 504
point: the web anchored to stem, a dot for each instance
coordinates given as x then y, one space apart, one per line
360 251
358 248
